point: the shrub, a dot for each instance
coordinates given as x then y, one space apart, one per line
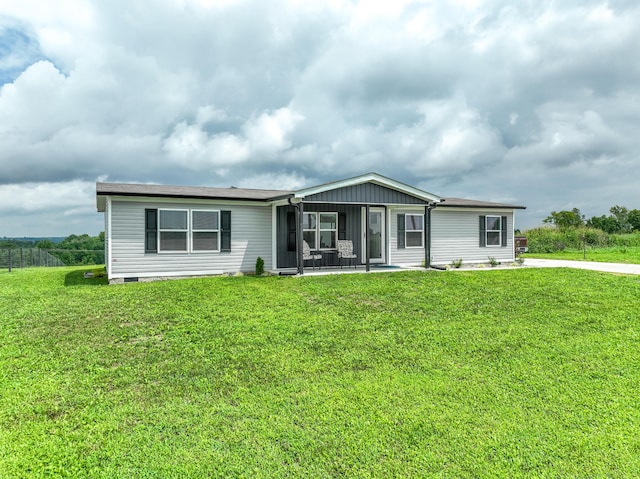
456 263
625 240
550 240
493 262
259 266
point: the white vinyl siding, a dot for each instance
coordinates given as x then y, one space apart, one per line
250 238
454 235
107 236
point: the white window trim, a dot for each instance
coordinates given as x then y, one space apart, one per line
314 230
193 230
407 230
335 230
487 231
162 230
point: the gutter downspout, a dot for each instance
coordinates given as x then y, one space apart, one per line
427 233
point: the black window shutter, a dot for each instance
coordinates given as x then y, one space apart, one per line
401 229
291 231
483 231
225 231
342 226
503 226
150 230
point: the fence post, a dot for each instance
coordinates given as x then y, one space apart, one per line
9 260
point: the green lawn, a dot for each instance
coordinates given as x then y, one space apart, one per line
617 254
505 373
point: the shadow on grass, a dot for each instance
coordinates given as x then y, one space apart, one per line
76 278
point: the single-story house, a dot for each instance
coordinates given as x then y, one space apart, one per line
160 231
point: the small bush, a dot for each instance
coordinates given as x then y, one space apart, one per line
493 262
456 263
259 266
551 240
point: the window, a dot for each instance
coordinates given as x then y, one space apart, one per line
205 228
309 229
173 228
320 230
493 231
170 231
328 230
414 231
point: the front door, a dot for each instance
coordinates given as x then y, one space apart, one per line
377 235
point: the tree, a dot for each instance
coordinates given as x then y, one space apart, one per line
634 219
565 219
45 244
621 214
608 224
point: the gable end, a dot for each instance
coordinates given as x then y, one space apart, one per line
365 193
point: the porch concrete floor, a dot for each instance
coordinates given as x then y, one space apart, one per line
324 270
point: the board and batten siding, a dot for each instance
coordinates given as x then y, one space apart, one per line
408 256
250 238
455 235
365 193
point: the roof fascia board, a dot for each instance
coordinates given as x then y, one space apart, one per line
363 203
495 209
444 205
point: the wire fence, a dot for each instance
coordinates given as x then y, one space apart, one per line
37 257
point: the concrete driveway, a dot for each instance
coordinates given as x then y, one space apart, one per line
620 268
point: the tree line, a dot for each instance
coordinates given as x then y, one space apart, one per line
73 250
621 220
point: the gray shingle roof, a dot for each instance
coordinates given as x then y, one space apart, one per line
203 192
247 194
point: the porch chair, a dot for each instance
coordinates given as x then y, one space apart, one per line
308 255
345 251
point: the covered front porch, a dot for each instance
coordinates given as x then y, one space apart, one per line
347 224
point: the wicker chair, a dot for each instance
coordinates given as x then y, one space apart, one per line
345 251
307 255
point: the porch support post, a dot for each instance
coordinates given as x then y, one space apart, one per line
427 237
299 248
366 238
427 234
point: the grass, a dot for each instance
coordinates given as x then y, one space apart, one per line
616 254
506 373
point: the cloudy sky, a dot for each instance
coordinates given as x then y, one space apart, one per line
530 102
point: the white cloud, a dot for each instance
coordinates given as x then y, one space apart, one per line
51 197
269 133
488 99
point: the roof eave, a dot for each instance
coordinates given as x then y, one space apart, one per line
444 204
